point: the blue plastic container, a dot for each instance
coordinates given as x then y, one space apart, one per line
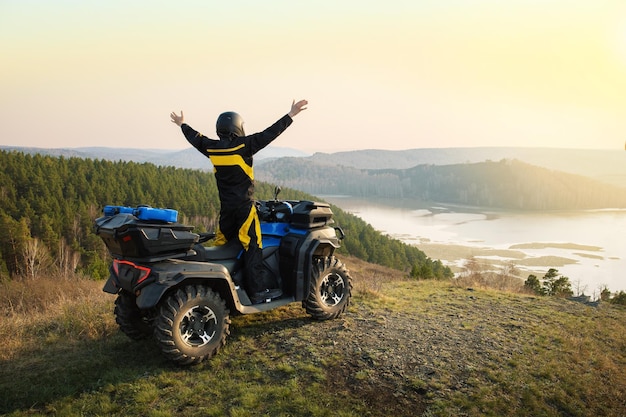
113 210
156 214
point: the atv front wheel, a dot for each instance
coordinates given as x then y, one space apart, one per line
132 321
330 289
192 325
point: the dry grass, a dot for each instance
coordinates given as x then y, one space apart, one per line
403 346
369 279
42 294
50 309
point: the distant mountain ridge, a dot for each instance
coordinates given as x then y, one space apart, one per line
606 165
503 184
603 165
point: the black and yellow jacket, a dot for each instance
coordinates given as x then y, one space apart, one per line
232 160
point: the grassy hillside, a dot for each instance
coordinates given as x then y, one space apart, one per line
404 348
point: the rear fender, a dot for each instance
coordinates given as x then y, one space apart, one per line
212 275
110 286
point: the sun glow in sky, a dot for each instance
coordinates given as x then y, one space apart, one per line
378 75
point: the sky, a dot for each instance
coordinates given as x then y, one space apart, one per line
377 74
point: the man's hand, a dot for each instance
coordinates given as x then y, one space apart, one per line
179 120
296 107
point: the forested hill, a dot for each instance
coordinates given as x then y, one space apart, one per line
48 206
606 165
507 184
184 158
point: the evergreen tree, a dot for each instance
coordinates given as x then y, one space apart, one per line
14 237
533 285
554 285
619 298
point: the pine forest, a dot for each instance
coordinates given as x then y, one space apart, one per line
48 206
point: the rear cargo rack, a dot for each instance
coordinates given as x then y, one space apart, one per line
127 236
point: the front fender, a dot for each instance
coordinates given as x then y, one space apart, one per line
301 249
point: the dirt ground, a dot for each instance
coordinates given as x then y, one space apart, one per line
413 344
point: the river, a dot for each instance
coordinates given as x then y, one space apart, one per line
588 247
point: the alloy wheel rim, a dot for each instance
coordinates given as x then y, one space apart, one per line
332 289
198 326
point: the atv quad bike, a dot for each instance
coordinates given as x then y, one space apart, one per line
169 285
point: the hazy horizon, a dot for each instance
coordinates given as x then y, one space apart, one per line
394 75
312 152
309 153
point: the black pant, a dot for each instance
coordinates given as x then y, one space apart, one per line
242 223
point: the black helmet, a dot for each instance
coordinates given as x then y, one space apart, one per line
229 125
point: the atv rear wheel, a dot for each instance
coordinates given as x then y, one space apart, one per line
330 289
132 322
192 325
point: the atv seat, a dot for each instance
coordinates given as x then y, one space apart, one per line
230 250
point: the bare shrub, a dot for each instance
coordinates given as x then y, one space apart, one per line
479 275
36 257
67 259
369 279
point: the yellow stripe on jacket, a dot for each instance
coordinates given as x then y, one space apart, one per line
232 160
